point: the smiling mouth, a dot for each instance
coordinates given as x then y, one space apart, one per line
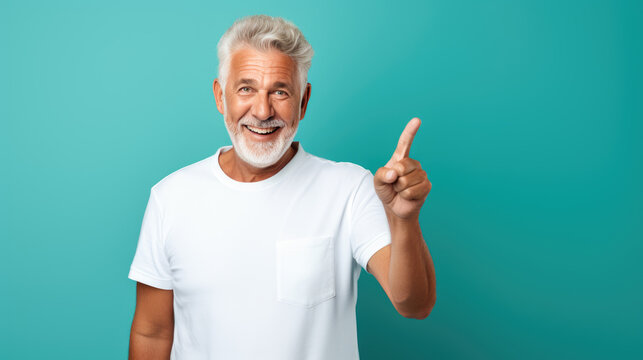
261 131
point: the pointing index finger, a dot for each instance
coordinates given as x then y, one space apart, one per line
406 139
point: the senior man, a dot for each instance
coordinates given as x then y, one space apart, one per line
254 252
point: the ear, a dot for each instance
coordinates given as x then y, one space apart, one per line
304 101
218 94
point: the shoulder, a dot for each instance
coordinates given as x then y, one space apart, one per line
342 170
337 176
184 178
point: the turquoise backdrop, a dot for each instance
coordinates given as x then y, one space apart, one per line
532 123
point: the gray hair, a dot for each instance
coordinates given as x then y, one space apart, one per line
264 32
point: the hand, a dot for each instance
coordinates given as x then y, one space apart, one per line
401 184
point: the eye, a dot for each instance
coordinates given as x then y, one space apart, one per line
245 89
281 93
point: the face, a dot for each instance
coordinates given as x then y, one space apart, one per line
262 105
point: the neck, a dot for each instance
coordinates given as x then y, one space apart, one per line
239 170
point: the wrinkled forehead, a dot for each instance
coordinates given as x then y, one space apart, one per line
262 66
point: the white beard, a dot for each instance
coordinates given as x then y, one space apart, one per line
265 153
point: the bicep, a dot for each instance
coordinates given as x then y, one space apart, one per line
154 314
378 265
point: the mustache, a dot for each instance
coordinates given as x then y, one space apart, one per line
252 121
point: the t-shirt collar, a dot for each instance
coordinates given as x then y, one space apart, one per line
256 185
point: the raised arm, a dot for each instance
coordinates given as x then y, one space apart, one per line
405 268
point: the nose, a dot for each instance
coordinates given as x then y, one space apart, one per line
262 108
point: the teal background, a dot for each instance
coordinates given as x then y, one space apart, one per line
531 136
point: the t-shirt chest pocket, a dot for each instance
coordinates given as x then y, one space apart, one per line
305 270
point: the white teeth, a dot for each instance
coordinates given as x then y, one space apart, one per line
261 131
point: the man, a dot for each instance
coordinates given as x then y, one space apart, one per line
255 251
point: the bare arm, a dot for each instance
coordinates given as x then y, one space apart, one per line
405 271
152 330
405 268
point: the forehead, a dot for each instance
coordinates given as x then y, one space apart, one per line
247 62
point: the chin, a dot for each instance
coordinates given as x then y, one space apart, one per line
260 155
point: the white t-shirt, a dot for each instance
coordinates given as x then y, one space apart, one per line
266 269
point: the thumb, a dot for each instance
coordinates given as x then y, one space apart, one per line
382 181
384 176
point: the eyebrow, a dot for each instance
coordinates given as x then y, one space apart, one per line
279 84
247 82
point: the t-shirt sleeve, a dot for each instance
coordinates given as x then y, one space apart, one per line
150 265
370 229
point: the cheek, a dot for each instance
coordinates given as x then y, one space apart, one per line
236 107
287 110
